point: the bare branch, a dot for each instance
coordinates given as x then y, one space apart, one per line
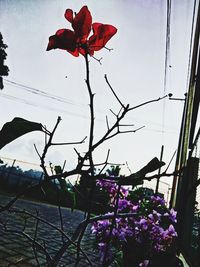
61 218
147 102
126 125
45 130
113 113
42 158
99 60
37 151
105 76
121 109
70 143
112 226
109 49
123 132
34 239
107 123
128 167
107 157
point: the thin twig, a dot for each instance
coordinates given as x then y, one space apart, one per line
99 60
60 215
128 167
109 49
37 151
34 239
48 144
70 143
107 123
147 102
113 113
104 264
105 76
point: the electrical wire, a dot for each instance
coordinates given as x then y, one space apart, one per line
21 161
23 101
39 92
167 59
42 93
26 102
167 46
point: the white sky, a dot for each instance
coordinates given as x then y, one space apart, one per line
135 68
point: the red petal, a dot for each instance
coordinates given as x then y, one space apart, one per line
75 53
82 51
102 34
63 39
82 23
69 15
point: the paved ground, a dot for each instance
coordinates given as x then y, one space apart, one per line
16 250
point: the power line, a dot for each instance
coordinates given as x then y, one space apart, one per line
167 58
21 161
167 45
23 101
42 93
26 102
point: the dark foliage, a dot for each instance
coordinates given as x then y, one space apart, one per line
3 68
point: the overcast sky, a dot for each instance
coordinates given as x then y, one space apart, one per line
135 68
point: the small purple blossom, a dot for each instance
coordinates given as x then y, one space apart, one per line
172 215
158 200
124 191
154 216
145 263
111 188
123 204
171 230
143 224
135 208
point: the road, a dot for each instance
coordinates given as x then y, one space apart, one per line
16 250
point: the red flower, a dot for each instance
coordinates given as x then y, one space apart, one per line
77 41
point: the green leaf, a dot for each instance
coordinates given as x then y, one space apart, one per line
16 128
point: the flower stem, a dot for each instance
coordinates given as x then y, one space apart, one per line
91 96
89 157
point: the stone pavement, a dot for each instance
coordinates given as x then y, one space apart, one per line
17 251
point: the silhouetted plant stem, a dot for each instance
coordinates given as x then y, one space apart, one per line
35 238
88 155
48 144
116 202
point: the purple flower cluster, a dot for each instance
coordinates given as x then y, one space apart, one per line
150 223
111 188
